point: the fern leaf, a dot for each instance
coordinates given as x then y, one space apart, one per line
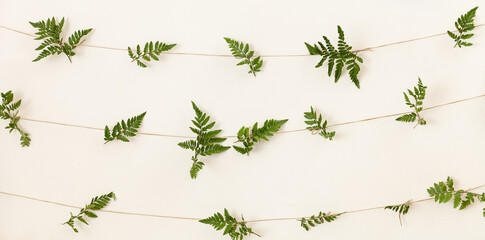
313 221
9 111
248 136
97 203
464 24
121 131
418 94
206 142
53 44
339 57
237 230
315 125
241 50
150 52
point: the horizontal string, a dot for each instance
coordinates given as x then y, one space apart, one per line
264 56
280 132
197 219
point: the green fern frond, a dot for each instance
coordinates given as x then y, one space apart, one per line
339 57
315 125
313 221
250 135
53 44
241 50
122 131
237 230
463 25
444 192
401 209
418 94
9 111
97 203
206 142
149 52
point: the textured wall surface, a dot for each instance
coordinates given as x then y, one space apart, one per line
368 164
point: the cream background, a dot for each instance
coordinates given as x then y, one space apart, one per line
368 164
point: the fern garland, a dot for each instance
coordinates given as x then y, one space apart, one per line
418 93
122 131
97 203
463 25
206 142
313 221
340 57
314 122
237 230
250 135
53 44
9 111
241 50
444 192
150 52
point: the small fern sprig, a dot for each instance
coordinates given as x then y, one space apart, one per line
313 221
314 122
250 135
463 25
206 142
339 57
237 230
53 44
97 203
443 192
9 111
241 50
401 209
122 131
150 52
418 94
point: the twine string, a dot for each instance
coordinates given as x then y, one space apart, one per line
280 132
197 219
264 56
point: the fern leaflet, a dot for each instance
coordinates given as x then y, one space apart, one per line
314 122
339 57
443 192
241 50
313 221
97 203
235 229
122 131
206 142
50 32
401 209
9 111
463 25
248 136
418 93
150 52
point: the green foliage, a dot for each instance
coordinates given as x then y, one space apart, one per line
418 94
463 25
235 229
313 221
339 57
150 52
314 122
97 203
401 209
250 135
444 192
241 50
50 31
206 142
9 111
122 131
